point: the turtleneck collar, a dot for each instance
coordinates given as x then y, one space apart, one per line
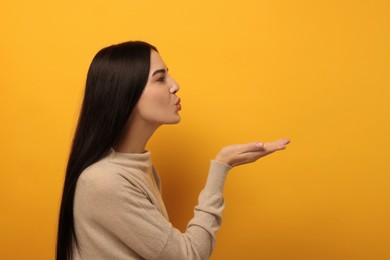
141 161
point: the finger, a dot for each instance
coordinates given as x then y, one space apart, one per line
267 148
277 145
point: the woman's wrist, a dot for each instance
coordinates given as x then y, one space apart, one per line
217 175
222 160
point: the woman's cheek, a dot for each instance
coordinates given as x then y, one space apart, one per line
160 98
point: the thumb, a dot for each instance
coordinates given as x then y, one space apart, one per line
250 147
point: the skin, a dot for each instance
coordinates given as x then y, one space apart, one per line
157 106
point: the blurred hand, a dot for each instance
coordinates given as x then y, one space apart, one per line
238 154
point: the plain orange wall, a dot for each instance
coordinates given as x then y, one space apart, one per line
314 71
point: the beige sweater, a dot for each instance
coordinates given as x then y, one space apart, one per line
119 212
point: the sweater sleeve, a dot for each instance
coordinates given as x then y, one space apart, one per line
126 213
198 241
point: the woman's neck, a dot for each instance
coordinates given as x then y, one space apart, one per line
135 136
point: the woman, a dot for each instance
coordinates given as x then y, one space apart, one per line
111 205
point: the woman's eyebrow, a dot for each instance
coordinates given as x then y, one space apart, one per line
160 71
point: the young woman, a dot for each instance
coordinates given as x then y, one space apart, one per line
111 204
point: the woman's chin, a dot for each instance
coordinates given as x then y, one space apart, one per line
176 120
171 120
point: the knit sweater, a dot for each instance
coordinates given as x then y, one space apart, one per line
119 212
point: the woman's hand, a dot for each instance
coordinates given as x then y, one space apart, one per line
238 154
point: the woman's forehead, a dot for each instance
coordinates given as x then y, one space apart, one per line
156 61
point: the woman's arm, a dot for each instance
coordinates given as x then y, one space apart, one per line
109 208
111 205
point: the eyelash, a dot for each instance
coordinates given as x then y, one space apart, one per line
162 79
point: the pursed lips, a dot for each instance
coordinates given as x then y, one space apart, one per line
178 106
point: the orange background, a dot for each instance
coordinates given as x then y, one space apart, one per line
314 71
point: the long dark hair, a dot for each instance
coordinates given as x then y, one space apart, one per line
115 81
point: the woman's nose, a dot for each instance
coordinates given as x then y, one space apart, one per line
175 87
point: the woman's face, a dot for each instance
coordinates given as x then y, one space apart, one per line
158 103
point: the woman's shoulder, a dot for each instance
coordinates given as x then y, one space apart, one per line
104 176
100 175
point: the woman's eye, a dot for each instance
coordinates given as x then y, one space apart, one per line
162 79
